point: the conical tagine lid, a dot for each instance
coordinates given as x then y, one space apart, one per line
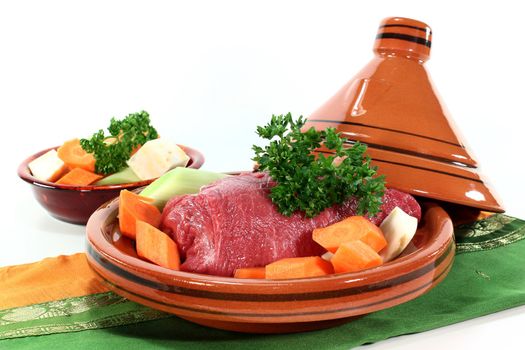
392 106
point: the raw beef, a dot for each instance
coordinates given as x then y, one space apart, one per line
232 224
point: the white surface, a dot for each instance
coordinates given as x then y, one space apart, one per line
210 72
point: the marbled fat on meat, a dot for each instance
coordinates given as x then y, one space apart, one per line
232 224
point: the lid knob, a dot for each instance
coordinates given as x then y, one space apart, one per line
403 37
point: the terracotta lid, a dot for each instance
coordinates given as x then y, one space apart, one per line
393 107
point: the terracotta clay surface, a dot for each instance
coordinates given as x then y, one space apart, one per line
75 204
393 107
271 306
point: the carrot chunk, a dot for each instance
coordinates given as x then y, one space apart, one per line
310 266
355 256
133 207
74 156
250 272
79 176
156 246
347 230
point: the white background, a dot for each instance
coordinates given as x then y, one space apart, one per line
209 72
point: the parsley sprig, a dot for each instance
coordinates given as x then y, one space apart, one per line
112 152
308 183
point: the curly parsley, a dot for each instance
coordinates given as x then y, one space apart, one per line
112 152
311 184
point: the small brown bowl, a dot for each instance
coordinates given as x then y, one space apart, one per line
271 306
74 204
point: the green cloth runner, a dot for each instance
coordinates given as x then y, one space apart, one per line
487 277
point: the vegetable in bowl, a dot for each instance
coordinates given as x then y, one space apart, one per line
132 152
112 152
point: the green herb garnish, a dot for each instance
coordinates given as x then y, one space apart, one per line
311 184
112 152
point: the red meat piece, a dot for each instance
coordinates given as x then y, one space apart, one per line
233 224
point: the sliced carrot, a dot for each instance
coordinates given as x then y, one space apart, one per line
250 272
347 230
156 246
74 156
310 266
355 256
133 207
80 177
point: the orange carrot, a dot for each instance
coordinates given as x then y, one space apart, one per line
355 256
74 156
133 207
347 230
156 246
250 272
80 177
310 266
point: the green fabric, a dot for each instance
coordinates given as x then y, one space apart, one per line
480 282
74 314
492 232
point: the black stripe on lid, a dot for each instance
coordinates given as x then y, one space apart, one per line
406 26
447 161
431 170
405 37
417 167
381 128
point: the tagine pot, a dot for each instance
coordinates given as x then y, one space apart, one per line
393 107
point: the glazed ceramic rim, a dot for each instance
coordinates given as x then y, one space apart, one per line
196 161
99 245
